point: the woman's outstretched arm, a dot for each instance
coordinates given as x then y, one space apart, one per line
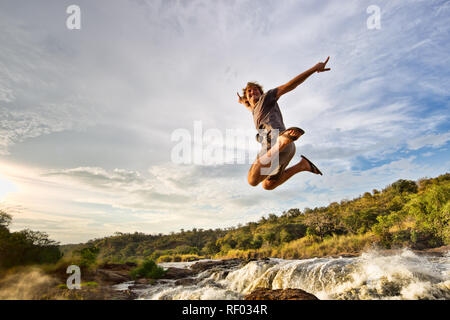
291 85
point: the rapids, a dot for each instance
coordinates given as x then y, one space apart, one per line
373 275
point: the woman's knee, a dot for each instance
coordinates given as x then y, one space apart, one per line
253 177
269 184
252 181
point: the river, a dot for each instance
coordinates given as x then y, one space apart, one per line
372 275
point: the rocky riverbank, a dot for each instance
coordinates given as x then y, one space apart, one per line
34 284
100 284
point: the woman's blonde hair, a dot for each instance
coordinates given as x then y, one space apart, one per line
244 90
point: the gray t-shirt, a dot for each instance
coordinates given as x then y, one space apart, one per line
267 112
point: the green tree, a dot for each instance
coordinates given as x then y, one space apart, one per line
323 222
285 236
257 242
431 211
25 247
5 220
405 186
211 248
360 221
270 237
244 241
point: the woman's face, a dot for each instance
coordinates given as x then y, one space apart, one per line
253 94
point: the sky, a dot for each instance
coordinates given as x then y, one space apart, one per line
90 117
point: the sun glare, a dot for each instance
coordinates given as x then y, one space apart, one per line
6 187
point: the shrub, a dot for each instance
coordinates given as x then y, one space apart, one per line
165 258
381 230
88 256
190 257
185 249
148 269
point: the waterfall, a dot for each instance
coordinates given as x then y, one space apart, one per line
373 275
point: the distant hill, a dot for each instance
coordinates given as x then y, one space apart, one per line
406 213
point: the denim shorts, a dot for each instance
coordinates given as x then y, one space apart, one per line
267 139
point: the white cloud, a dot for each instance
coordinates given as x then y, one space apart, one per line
433 140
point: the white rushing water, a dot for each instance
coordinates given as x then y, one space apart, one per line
373 275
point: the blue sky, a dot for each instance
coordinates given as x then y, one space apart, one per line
86 116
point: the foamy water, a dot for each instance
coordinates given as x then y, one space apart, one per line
373 275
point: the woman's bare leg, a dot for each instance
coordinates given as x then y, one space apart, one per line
255 175
303 165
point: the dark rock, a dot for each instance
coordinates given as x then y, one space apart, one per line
142 281
437 252
177 273
185 282
205 265
280 294
164 282
257 259
98 293
111 277
137 286
131 264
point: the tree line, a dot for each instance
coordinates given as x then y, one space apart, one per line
25 247
407 213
